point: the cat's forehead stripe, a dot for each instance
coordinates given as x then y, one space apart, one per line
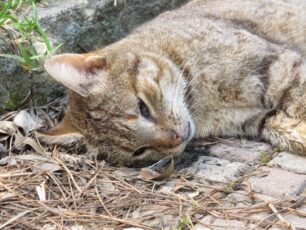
149 75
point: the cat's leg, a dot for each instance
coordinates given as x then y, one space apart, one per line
286 132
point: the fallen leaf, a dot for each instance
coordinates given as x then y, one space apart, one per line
46 166
28 121
30 141
124 172
149 174
7 129
6 196
31 157
41 191
45 163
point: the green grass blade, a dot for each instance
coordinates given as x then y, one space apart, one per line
13 18
25 27
13 56
4 19
6 8
44 37
57 47
24 54
3 14
35 14
37 57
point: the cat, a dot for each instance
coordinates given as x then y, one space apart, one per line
207 69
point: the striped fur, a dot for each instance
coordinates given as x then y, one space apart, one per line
210 68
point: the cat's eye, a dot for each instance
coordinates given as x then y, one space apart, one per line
140 151
144 110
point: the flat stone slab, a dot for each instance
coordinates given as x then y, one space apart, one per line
290 162
244 151
218 170
297 221
208 222
278 183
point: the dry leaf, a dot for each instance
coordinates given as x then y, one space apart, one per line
124 172
7 129
28 121
6 196
30 141
77 227
149 174
41 191
31 157
46 166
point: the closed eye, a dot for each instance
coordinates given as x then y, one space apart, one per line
144 110
140 151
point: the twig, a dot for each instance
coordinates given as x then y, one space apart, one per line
279 216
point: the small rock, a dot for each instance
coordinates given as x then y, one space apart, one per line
238 198
2 148
219 170
290 162
244 151
132 228
257 220
278 183
218 224
297 221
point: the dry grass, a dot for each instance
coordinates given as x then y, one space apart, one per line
56 190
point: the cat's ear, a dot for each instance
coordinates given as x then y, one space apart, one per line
64 133
78 72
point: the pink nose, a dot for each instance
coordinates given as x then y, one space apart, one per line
176 139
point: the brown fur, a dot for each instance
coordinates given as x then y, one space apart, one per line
210 68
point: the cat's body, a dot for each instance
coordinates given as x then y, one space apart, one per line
211 68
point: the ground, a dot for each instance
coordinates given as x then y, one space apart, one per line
228 184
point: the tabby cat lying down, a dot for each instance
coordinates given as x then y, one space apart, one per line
210 68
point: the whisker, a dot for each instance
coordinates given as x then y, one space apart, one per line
184 65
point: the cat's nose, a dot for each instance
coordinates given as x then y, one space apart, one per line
176 138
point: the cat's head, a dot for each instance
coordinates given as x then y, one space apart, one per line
125 105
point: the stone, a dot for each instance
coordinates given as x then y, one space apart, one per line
200 227
257 220
218 224
132 228
297 221
157 220
278 183
238 198
4 97
218 170
81 26
291 162
244 151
